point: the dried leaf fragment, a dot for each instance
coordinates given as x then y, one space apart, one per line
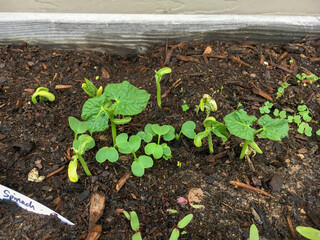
97 204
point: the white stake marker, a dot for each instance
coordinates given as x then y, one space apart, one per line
28 203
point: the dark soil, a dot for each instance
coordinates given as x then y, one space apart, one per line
39 137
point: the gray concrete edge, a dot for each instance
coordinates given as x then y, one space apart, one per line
129 33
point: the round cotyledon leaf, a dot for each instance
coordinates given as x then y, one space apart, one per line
105 153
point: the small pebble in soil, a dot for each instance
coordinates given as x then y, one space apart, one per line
210 180
82 196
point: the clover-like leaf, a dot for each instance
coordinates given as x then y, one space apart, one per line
273 129
154 149
188 129
125 146
160 130
129 99
147 137
105 153
239 124
140 164
170 135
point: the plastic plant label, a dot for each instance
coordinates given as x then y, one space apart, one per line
28 203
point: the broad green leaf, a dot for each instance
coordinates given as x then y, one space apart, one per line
148 129
94 112
273 129
134 221
77 126
137 236
83 143
127 215
175 234
123 144
137 169
154 149
145 161
185 221
72 171
105 153
160 130
254 234
308 232
119 121
170 135
129 99
220 130
188 129
239 124
198 138
166 149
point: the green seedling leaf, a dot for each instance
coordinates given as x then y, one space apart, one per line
273 129
187 129
119 121
220 130
276 112
254 234
134 221
127 215
239 124
175 234
266 107
170 135
185 221
125 146
302 108
162 72
77 126
297 119
198 138
81 144
140 164
160 130
137 236
154 149
105 153
166 151
72 171
283 114
148 130
318 132
147 137
290 119
308 232
130 100
185 107
89 88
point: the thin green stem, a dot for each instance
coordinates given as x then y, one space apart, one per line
158 93
84 165
134 155
210 144
244 149
159 137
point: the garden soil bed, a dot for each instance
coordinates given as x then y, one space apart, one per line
38 136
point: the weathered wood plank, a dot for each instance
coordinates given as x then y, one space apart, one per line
127 33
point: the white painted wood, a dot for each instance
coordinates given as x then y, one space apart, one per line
127 33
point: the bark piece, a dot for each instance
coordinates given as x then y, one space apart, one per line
97 204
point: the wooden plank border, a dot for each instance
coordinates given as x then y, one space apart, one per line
129 33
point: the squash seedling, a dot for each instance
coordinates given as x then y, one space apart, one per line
158 150
80 145
281 89
254 233
211 126
207 104
309 232
130 147
91 89
266 107
158 76
182 224
187 129
43 94
135 225
304 76
239 124
77 126
117 99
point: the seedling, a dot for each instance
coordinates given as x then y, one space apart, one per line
211 126
185 107
266 108
182 224
130 147
302 120
158 150
80 145
304 76
282 88
77 126
282 114
254 233
318 132
207 104
135 225
117 99
91 89
187 129
159 74
239 124
43 94
308 232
